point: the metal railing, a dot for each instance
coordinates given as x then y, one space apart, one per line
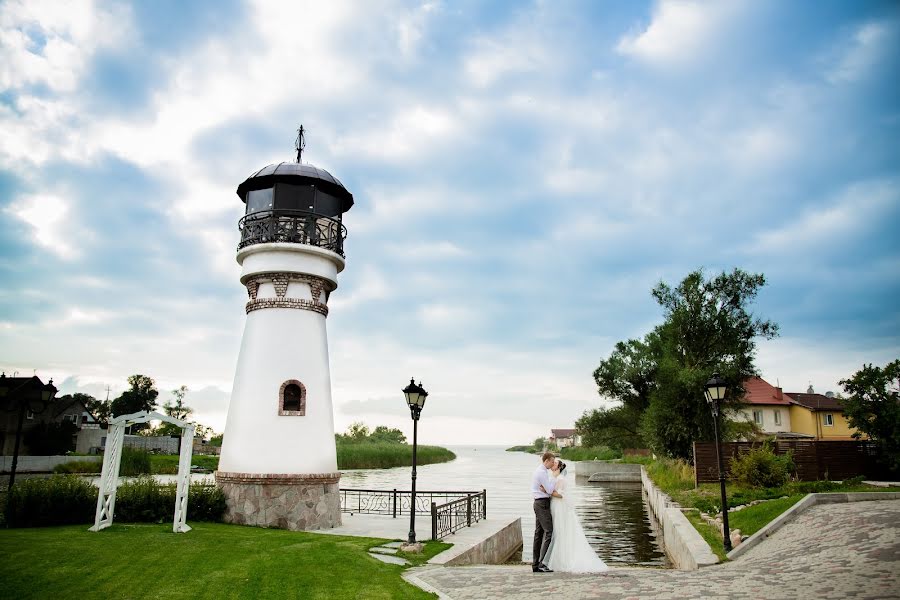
453 516
293 226
457 509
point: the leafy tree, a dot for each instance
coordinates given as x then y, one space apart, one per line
872 407
707 328
216 440
385 434
178 410
617 427
141 396
539 443
357 431
628 377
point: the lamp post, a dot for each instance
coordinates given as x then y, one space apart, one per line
415 398
25 395
716 388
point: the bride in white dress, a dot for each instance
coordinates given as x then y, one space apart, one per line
569 551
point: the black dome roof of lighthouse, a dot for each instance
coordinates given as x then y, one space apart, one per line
296 173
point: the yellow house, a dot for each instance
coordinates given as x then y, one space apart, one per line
820 416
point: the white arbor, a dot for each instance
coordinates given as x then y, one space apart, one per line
112 458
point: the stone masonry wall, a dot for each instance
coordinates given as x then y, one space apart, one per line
295 502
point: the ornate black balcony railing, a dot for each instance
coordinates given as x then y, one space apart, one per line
457 509
294 226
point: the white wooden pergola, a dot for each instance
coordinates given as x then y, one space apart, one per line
112 459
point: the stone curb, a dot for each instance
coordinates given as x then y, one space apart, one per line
807 502
411 577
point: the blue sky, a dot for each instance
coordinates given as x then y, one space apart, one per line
524 174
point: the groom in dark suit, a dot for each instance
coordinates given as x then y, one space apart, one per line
542 486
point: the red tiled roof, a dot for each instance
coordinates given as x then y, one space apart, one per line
816 401
760 391
562 433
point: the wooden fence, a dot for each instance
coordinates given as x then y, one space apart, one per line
814 460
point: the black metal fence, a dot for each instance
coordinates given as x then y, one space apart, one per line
449 510
452 516
293 226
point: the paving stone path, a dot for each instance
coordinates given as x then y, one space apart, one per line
830 551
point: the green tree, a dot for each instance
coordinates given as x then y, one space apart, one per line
177 410
216 440
140 396
385 434
617 427
872 407
358 432
626 377
708 327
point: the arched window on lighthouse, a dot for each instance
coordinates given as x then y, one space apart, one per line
292 399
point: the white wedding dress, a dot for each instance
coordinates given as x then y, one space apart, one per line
569 551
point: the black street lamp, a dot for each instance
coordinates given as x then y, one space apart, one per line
25 395
415 398
716 388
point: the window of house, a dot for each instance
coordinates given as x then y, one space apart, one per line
29 414
758 417
828 419
778 417
292 399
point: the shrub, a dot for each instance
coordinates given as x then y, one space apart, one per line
761 467
144 500
58 500
134 462
590 453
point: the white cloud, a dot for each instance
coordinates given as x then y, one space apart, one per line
50 42
372 285
679 32
868 44
855 208
47 216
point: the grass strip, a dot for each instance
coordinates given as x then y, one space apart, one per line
211 561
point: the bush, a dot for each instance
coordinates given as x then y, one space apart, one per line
58 500
134 462
70 499
761 467
145 500
594 453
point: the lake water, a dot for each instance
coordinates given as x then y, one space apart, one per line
615 517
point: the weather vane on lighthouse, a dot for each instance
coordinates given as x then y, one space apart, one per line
278 466
300 144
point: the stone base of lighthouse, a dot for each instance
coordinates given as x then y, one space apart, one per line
284 501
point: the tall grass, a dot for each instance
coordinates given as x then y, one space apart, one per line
167 464
383 455
134 462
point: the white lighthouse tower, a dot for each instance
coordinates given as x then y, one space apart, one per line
278 466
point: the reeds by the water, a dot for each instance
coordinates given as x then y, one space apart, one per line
382 455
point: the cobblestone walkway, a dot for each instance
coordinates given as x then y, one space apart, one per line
830 551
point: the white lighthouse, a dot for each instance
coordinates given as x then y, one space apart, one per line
278 466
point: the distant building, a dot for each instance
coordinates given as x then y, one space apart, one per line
819 416
564 438
767 407
65 408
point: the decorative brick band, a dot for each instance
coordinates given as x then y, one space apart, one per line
278 478
280 281
300 303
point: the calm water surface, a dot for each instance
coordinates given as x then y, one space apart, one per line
615 517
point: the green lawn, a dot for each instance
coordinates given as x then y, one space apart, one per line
212 561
